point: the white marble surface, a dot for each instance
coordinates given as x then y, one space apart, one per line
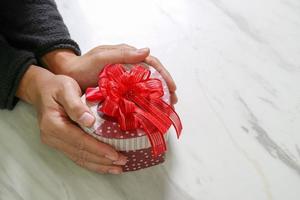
237 67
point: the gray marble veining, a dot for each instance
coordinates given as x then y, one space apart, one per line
237 68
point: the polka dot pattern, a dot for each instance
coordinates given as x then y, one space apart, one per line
141 159
110 129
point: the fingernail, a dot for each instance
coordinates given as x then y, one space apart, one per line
86 119
143 50
114 171
112 157
121 161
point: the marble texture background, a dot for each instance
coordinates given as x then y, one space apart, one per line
237 68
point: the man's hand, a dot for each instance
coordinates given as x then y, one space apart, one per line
85 69
57 100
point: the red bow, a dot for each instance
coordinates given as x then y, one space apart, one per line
134 99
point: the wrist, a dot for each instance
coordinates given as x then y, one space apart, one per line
58 61
31 84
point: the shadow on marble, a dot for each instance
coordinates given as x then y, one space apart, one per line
32 169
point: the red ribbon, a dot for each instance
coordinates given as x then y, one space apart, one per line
134 99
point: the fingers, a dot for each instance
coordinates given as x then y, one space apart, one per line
121 55
74 136
84 158
100 167
110 47
69 98
124 53
173 98
78 154
127 54
103 168
91 161
154 62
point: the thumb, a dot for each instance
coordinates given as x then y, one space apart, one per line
122 55
74 107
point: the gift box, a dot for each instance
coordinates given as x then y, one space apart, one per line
133 114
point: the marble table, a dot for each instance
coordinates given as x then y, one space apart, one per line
237 68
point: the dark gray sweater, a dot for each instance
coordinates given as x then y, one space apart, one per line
29 29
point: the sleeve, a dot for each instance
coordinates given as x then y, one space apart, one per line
13 65
35 25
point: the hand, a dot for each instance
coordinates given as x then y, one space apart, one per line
85 69
57 100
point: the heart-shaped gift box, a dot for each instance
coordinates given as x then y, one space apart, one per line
140 129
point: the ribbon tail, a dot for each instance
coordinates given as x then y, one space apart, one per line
155 137
161 125
173 116
161 112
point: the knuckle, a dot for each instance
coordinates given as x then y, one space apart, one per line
99 57
97 49
73 157
44 138
81 158
68 82
155 59
123 54
79 161
82 154
80 146
151 60
75 106
123 45
44 122
48 128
